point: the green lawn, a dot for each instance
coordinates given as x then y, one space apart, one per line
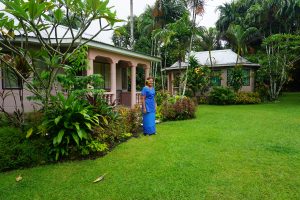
227 152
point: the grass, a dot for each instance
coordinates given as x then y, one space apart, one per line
227 152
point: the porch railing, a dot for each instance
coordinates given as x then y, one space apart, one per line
138 98
107 96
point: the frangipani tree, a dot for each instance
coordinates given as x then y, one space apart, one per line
25 21
282 52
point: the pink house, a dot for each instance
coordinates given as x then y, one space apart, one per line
116 65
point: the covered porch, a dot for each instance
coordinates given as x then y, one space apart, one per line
119 73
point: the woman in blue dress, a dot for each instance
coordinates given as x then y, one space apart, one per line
148 107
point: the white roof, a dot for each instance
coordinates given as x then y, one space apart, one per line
225 57
62 32
220 58
65 34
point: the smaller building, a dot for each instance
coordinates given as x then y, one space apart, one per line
223 61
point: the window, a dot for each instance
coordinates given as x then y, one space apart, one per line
216 79
104 70
124 79
10 80
246 76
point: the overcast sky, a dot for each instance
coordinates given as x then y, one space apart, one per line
122 8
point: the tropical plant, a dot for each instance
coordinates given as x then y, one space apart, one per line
208 40
72 80
247 98
235 78
18 152
68 123
199 77
22 20
176 36
239 38
197 7
282 50
177 108
221 96
269 16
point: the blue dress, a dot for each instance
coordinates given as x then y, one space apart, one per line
149 116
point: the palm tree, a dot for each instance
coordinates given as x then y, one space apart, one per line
209 41
168 11
240 37
227 16
270 16
176 36
197 7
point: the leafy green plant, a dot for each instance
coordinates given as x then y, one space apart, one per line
17 152
199 77
202 100
131 118
68 124
112 134
235 78
161 96
41 19
282 53
221 96
95 147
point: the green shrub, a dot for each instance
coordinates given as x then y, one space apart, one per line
247 98
178 109
202 100
131 118
235 78
16 151
93 148
263 92
161 96
221 96
113 134
68 125
125 124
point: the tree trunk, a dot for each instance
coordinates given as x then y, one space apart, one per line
131 24
210 59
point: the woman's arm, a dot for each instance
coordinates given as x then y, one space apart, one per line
144 104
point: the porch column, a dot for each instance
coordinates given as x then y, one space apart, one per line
90 69
113 80
133 86
147 72
171 82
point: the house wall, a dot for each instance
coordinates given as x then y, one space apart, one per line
113 58
224 77
249 88
13 100
171 75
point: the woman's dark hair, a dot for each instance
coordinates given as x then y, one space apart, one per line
147 79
